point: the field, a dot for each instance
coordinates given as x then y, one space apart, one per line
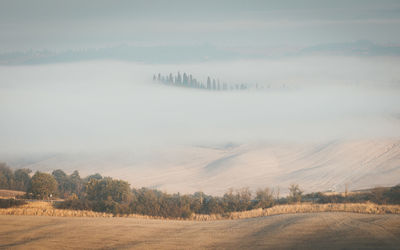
307 230
7 194
315 167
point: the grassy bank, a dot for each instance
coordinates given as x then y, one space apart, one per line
40 208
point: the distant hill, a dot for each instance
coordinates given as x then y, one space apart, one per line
199 53
320 166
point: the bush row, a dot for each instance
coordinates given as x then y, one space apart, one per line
7 203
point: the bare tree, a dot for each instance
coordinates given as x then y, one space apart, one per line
294 193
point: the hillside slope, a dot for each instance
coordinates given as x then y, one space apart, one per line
314 166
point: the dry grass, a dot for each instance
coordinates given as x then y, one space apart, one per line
7 194
295 227
43 208
363 208
287 231
40 208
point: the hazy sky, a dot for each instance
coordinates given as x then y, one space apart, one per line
60 25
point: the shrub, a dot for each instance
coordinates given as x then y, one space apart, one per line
108 189
264 198
75 204
294 193
393 195
43 185
7 203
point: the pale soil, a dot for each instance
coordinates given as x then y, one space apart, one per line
309 230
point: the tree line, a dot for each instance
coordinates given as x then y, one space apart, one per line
115 196
187 80
15 180
105 194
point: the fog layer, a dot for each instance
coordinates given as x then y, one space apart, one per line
97 106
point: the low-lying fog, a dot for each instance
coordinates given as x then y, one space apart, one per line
110 117
92 106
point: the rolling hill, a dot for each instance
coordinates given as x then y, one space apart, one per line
214 169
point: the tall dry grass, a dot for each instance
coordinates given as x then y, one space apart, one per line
7 194
40 208
364 208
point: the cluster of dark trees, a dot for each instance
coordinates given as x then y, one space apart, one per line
187 80
115 196
43 185
14 180
105 194
378 195
6 203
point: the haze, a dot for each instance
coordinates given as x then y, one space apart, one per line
244 25
76 90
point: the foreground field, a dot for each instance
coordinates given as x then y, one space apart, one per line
309 230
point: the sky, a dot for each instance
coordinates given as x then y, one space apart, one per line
243 25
